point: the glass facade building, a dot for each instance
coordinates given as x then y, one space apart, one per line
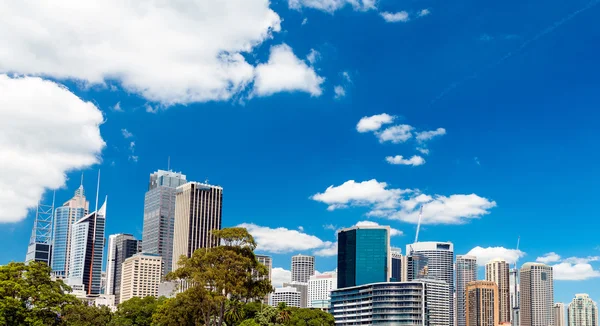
120 247
363 256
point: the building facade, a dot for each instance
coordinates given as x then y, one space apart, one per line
536 294
483 304
319 289
303 267
86 254
120 247
583 311
363 256
140 276
396 265
558 314
268 262
302 288
198 211
159 215
466 272
288 295
64 218
498 271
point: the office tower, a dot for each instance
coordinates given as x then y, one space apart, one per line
140 276
396 264
319 289
198 210
438 258
120 247
302 288
303 267
558 314
514 296
159 215
497 270
268 262
288 295
40 243
583 311
87 245
363 255
537 295
466 272
437 300
483 304
64 218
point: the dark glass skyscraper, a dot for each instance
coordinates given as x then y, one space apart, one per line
363 256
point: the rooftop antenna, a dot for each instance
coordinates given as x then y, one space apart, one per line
419 224
169 163
81 184
518 243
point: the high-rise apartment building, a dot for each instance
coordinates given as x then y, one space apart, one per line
302 288
482 304
159 215
363 255
198 211
558 314
320 287
120 247
87 246
466 272
288 295
64 218
437 299
537 294
497 270
434 260
268 262
303 267
140 276
583 311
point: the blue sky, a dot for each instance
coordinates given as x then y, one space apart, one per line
265 100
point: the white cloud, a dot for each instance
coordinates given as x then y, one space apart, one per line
393 232
313 56
332 5
484 255
134 158
389 17
396 134
282 240
404 204
550 257
423 150
328 251
194 53
284 72
339 91
574 271
126 133
117 107
424 12
428 135
304 21
374 122
280 276
46 131
346 76
415 160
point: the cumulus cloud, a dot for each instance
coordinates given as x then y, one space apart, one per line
280 276
282 240
47 131
390 17
550 257
393 232
396 134
374 122
332 5
428 135
423 150
328 251
404 204
484 255
339 91
196 52
581 260
284 72
415 160
574 271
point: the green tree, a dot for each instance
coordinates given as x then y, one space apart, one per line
249 322
234 312
311 317
136 311
267 316
186 309
284 313
83 315
29 297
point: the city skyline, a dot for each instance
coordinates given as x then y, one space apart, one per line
485 113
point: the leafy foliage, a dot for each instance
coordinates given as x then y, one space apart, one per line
83 315
136 311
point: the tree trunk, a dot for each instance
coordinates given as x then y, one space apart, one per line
221 313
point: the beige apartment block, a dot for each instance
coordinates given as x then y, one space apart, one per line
140 276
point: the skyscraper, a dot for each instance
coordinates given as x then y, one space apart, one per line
320 287
497 270
120 247
537 295
159 215
64 218
558 314
198 209
438 258
303 267
140 276
87 244
482 304
466 272
363 255
583 311
396 265
40 243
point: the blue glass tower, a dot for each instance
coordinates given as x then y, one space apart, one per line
363 256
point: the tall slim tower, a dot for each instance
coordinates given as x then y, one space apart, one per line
558 314
497 271
120 247
40 243
439 260
303 267
583 311
65 216
268 262
537 295
482 304
159 215
198 211
466 272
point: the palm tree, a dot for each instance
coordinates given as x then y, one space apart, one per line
285 314
234 312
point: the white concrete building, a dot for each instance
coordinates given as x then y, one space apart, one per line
466 272
290 295
303 267
583 311
558 314
140 276
320 287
